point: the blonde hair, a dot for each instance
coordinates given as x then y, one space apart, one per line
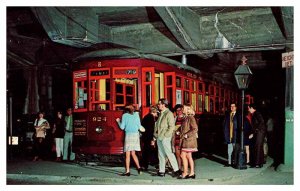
188 109
153 109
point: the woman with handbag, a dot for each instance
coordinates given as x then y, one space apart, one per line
188 142
40 125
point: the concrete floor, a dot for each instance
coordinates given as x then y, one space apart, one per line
208 172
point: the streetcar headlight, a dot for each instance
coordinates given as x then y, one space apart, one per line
98 129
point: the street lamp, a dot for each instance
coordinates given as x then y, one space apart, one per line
242 76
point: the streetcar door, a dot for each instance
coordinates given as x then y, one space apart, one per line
148 83
170 87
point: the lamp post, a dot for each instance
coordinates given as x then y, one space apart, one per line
242 76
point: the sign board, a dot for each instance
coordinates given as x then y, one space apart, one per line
79 74
287 59
178 97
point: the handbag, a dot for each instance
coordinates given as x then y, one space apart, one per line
142 129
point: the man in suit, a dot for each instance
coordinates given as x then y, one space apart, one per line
258 135
163 132
231 126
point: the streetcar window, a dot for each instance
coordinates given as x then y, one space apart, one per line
194 87
80 86
193 102
201 87
186 84
169 80
178 82
148 76
80 95
211 105
119 99
186 97
125 92
159 90
170 96
148 95
200 102
99 94
119 88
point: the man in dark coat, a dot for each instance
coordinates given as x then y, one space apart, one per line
258 135
149 151
231 131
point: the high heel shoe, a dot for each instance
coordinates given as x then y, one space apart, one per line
140 170
125 174
191 176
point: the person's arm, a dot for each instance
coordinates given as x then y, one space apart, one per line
122 122
193 129
171 125
47 125
54 128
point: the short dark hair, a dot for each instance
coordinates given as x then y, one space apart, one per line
164 101
129 108
254 106
178 106
41 112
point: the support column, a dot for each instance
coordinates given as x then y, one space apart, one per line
289 118
31 105
50 104
288 160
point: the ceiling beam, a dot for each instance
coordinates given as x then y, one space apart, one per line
18 59
176 28
236 49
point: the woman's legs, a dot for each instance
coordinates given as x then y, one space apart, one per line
184 163
127 161
191 163
135 159
247 153
177 153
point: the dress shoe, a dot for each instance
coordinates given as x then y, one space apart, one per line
161 174
259 166
183 177
35 158
177 173
58 159
125 174
191 176
227 165
140 170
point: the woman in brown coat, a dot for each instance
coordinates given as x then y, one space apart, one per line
188 142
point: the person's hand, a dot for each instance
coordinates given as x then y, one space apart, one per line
250 136
118 120
152 143
185 136
177 132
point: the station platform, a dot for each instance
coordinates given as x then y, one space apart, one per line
207 171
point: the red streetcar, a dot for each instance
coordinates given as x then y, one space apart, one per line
103 87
